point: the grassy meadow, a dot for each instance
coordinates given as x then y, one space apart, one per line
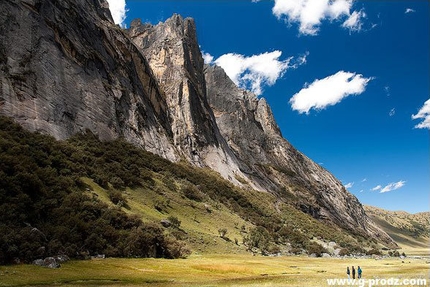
209 270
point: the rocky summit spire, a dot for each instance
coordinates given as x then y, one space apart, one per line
173 53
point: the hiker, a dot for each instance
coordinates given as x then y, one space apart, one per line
347 271
353 272
359 272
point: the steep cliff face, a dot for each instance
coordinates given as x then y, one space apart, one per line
275 164
172 51
65 67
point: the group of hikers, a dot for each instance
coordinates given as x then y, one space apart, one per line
352 272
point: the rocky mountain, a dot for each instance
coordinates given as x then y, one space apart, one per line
272 162
172 51
65 67
409 230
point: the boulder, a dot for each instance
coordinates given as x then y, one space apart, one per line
166 223
51 262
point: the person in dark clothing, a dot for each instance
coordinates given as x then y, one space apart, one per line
359 271
353 272
347 271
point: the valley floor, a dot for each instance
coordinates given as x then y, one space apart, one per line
215 270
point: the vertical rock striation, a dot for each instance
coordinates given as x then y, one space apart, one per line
65 67
173 53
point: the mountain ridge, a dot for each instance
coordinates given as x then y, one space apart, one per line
409 230
149 85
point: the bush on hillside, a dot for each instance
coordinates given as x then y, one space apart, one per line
315 248
258 238
176 223
45 209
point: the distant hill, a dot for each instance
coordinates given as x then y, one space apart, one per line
408 230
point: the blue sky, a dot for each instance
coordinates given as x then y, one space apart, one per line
348 81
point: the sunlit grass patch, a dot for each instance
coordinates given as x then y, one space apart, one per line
208 270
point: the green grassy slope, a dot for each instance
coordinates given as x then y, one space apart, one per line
87 196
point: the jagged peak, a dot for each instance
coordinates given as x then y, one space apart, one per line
177 26
180 21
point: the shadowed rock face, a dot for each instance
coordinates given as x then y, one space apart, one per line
65 67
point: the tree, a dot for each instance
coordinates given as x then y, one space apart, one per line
257 237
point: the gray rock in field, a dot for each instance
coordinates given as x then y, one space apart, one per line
38 262
51 262
62 258
166 223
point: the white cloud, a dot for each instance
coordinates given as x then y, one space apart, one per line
349 185
378 187
392 186
354 21
257 71
424 114
118 10
300 60
409 10
328 91
208 58
310 13
387 90
392 112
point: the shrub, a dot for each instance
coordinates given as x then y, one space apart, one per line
176 223
315 248
222 232
117 182
296 250
160 205
373 251
117 197
191 192
257 237
273 249
176 249
344 252
394 253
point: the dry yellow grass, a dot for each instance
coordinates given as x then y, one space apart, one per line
209 270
